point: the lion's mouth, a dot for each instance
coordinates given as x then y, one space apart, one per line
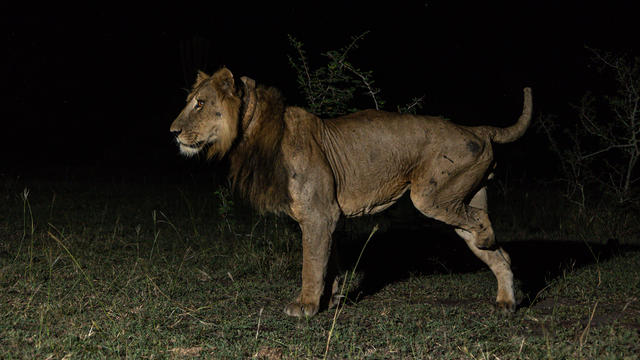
190 149
196 145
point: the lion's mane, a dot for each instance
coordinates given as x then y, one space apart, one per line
256 167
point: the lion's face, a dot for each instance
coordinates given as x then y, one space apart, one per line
210 117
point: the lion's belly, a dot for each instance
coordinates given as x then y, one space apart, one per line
372 155
360 201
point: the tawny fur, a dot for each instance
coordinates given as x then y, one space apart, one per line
287 160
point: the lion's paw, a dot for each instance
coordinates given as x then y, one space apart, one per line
300 310
506 307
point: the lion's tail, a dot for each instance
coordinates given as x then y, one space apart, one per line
514 132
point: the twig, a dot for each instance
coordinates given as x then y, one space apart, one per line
585 332
259 318
363 78
346 285
584 157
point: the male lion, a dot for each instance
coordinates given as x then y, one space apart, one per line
287 160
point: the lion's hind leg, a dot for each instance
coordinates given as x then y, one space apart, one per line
443 199
497 259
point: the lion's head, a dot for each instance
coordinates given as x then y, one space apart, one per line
245 122
211 117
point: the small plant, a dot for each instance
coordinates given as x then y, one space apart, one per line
330 90
225 207
226 203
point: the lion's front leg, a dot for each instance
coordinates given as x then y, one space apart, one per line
316 245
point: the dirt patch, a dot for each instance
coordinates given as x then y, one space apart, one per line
621 314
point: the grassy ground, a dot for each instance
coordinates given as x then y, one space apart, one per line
164 270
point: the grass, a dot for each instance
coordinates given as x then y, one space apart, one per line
173 270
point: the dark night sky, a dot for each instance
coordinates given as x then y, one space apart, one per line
96 88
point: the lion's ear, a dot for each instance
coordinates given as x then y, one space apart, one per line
200 78
224 77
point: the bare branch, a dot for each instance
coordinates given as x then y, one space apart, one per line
414 104
372 92
354 41
605 150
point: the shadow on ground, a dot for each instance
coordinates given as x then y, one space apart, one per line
397 254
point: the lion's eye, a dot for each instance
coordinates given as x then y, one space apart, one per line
199 104
218 114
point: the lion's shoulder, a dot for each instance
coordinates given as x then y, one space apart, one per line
299 121
295 113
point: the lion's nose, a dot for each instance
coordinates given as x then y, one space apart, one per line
176 132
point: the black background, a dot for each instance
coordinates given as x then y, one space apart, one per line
92 89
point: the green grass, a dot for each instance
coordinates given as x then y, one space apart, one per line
106 270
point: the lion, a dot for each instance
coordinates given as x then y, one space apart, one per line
286 160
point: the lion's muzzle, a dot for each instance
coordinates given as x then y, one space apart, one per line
187 148
175 132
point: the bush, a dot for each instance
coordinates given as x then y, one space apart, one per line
599 153
331 90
